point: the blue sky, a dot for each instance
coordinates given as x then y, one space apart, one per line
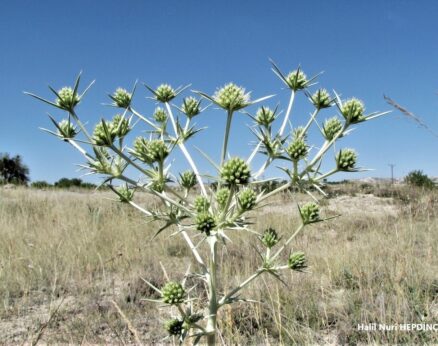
366 49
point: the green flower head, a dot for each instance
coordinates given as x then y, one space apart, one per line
122 98
174 326
201 204
235 171
104 134
321 99
331 128
297 149
297 261
160 115
125 194
150 151
270 238
222 197
265 116
205 222
231 97
164 93
66 129
173 293
298 133
191 107
67 98
353 111
297 80
187 179
346 159
247 199
120 126
309 213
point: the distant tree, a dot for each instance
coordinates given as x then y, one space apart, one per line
418 178
40 184
65 183
13 170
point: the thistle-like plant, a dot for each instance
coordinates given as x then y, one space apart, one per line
192 208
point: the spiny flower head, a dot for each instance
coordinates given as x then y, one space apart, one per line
231 97
265 116
173 293
174 326
353 110
222 197
157 185
297 149
165 93
191 106
125 194
321 99
120 126
331 128
104 134
297 261
160 115
235 171
296 80
247 199
309 213
187 179
150 151
298 133
201 204
346 159
66 129
67 99
205 222
270 238
122 98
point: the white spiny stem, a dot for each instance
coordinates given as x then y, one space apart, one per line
287 242
286 116
193 248
185 151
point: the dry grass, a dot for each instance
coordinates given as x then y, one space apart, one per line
65 256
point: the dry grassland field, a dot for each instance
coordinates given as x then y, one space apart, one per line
71 263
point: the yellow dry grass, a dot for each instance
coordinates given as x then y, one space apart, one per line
66 255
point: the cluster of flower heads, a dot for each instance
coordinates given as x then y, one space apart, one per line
150 151
106 132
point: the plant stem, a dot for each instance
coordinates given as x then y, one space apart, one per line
185 151
287 242
224 300
286 117
226 136
212 288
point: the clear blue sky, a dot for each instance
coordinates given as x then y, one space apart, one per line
366 48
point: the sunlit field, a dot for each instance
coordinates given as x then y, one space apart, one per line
72 263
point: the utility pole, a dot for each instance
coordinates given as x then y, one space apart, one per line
392 172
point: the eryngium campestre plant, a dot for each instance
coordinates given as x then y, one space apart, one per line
160 115
219 211
235 171
121 98
67 98
297 261
270 238
173 293
66 129
346 159
174 326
